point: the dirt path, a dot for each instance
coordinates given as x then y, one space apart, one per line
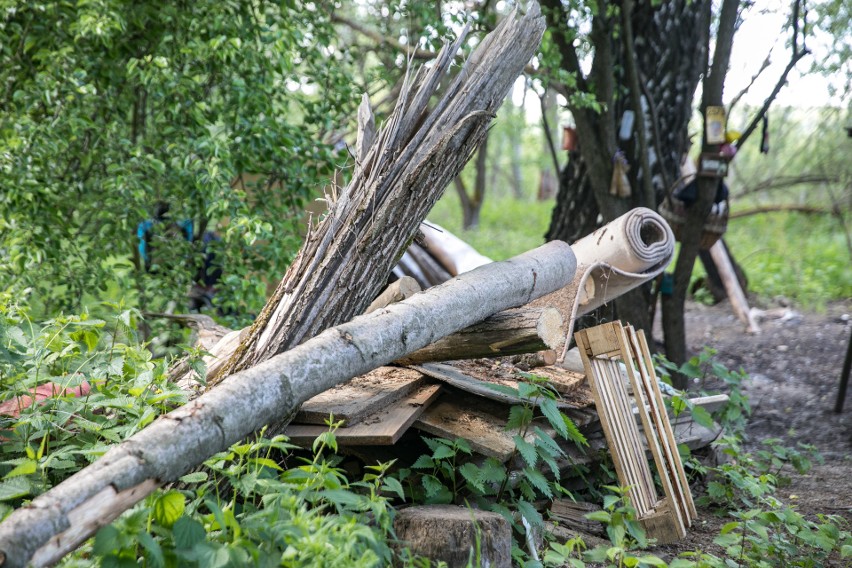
794 367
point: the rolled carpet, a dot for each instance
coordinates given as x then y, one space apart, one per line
611 261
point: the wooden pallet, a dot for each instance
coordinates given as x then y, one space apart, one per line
607 351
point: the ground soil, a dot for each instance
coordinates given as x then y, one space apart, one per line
794 368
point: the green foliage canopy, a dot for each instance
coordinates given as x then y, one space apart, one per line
224 110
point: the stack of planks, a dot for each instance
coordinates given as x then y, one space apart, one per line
608 350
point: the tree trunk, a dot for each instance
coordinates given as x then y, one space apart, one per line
697 213
668 41
349 256
269 393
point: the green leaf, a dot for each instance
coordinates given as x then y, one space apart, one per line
529 512
266 462
187 533
15 488
106 541
600 516
154 556
652 560
554 416
195 477
540 482
423 462
702 417
25 468
473 475
728 527
519 417
526 450
169 507
610 501
392 485
443 452
493 471
598 554
528 391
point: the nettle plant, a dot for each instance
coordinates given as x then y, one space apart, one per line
99 387
244 508
451 473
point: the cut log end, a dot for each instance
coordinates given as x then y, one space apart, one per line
456 535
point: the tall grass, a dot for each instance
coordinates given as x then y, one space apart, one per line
803 258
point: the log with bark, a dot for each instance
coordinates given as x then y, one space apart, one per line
61 519
511 332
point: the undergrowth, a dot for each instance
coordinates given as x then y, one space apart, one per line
264 502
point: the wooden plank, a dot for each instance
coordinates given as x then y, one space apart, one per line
451 418
652 420
603 338
457 378
677 464
360 397
381 429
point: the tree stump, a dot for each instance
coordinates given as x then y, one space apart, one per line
450 533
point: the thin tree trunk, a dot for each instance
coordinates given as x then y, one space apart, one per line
673 305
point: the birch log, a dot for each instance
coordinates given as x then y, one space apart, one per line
348 257
732 286
268 393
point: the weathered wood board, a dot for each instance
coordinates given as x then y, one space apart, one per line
360 397
383 428
481 422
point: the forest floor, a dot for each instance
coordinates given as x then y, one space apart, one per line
794 368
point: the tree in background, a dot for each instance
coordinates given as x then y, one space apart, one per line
635 102
223 110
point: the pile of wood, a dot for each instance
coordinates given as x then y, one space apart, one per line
444 389
308 339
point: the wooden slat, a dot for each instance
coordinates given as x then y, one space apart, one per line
677 464
604 349
381 429
360 397
652 417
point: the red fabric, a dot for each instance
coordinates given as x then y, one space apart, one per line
13 407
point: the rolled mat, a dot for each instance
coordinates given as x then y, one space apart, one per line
616 258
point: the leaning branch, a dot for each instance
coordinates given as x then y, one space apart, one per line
798 53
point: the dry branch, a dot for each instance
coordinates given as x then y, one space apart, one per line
270 393
349 256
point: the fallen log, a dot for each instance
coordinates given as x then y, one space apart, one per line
732 287
512 332
44 530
